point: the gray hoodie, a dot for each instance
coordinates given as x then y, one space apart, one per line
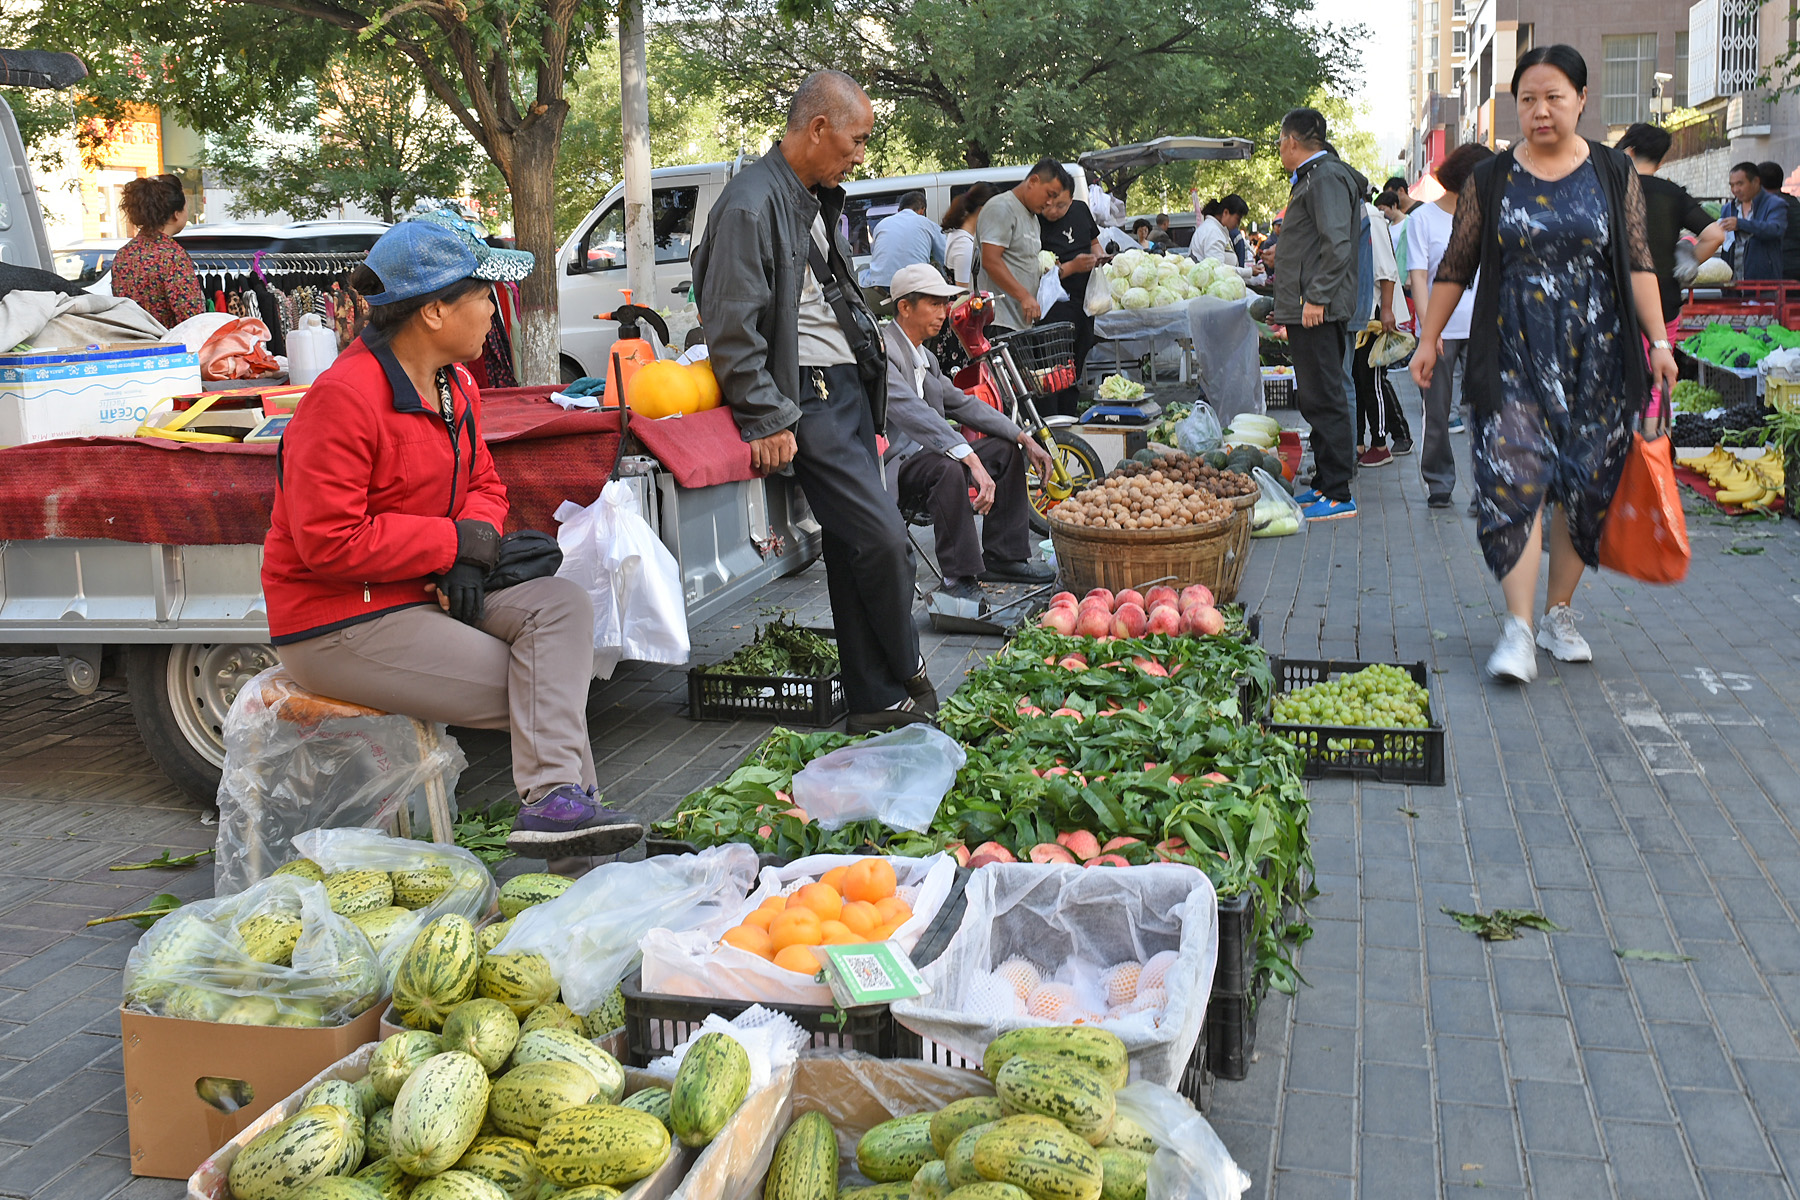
1316 258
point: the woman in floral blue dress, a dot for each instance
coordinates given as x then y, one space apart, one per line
1555 376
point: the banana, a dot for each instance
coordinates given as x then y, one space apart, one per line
1741 495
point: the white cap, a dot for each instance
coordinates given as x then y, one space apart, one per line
921 279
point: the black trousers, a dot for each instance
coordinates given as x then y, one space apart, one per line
940 485
1319 394
1377 403
1066 403
869 567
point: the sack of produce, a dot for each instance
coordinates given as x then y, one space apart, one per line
1277 513
1131 951
1199 431
274 954
763 948
287 770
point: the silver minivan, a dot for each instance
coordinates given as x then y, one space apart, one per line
590 265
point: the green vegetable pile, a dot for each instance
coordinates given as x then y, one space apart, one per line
782 648
1689 397
1740 349
1117 387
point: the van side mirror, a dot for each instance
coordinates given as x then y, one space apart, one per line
576 266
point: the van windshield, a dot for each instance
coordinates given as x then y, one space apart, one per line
672 212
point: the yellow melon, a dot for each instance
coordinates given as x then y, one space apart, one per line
662 389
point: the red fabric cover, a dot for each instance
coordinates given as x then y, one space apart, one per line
699 449
218 494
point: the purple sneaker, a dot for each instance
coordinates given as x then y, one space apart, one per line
572 822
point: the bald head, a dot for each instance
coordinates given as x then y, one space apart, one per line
829 123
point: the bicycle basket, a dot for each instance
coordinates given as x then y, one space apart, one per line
1045 356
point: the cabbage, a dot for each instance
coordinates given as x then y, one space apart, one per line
1047 261
1201 273
1162 297
1226 286
1117 387
1136 297
1128 260
1116 286
1144 275
1168 268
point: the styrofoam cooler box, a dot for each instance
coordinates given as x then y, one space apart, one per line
99 391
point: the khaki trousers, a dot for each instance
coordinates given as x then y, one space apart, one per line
525 668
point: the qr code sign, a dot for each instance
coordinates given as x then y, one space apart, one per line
870 975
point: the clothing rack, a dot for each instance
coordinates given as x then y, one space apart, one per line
310 262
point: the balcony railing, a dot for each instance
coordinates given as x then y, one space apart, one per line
1697 137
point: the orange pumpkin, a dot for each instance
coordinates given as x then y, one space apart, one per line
708 385
662 389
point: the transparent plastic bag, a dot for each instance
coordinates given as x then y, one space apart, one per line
197 964
1191 1163
287 770
1066 915
1199 431
1099 296
590 933
694 963
1277 513
471 888
896 778
608 548
771 1040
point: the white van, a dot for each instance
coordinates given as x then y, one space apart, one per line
590 266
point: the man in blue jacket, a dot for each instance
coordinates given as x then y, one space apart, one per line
1757 221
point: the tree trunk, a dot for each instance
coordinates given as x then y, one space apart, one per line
534 220
977 155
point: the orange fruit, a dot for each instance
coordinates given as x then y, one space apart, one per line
774 903
836 933
707 384
797 959
893 910
871 879
762 918
881 933
822 898
860 916
662 389
796 927
749 937
835 877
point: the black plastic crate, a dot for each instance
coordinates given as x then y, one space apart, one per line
1236 967
783 699
656 1024
1733 388
1231 1034
1394 755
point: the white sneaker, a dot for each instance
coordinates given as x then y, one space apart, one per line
1514 657
1556 633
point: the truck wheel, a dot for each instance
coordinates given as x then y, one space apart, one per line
179 697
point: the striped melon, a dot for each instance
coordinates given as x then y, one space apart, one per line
382 924
990 1190
437 972
365 1091
338 1187
587 1191
397 1057
438 1112
896 1149
529 1095
490 936
388 1179
458 1185
504 1161
1039 1155
559 1045
931 1183
523 891
1125 1174
959 1116
1099 1051
805 1166
554 1015
901 1190
251 1010
375 1132
302 868
712 1081
310 1145
1061 1090
608 1017
189 1003
269 937
959 1161
352 892
593 1143
519 981
653 1100
485 1028
420 886
1127 1134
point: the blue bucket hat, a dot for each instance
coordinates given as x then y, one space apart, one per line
435 249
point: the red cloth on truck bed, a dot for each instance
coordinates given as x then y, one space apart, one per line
699 449
221 493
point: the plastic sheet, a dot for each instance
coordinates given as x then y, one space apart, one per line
471 889
1199 431
590 933
288 768
194 964
1051 915
1225 354
640 612
694 963
1141 331
1191 1162
896 778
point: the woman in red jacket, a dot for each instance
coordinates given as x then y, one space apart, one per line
387 520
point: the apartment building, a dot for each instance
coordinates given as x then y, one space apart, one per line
1732 44
1437 53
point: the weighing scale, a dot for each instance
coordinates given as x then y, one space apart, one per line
1007 606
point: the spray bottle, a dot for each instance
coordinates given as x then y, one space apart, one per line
631 351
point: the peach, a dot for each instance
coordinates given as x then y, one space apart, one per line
1195 593
1063 600
1128 596
1068 712
1073 662
1094 622
1215 777
959 852
1081 843
1031 710
1107 860
1062 620
1104 595
1050 852
1150 666
1164 620
1120 843
1161 595
1208 620
1129 621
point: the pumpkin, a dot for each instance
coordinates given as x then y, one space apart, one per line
708 385
662 389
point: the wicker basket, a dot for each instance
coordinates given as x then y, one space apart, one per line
1213 555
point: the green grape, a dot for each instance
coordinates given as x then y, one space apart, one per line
1381 696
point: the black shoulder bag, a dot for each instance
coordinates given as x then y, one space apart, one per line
859 330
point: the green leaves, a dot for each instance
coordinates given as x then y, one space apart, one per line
166 859
1503 924
158 907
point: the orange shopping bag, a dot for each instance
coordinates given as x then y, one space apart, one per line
1645 535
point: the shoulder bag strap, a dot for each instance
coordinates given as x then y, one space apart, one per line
854 330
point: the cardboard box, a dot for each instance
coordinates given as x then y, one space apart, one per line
172 1128
100 391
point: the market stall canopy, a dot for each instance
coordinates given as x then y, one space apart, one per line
1165 150
40 69
1426 190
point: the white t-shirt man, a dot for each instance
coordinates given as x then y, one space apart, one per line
822 339
1427 237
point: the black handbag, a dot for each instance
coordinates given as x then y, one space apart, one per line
526 554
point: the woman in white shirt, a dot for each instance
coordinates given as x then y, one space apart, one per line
962 254
1427 236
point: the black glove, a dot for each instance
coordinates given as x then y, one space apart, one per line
477 548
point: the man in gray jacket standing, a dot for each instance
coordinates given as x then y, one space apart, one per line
1315 297
932 465
805 387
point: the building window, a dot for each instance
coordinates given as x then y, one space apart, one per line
1630 72
1459 42
1431 82
1432 48
1523 34
1681 68
1457 9
1456 76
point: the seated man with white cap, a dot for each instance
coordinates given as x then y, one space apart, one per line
932 465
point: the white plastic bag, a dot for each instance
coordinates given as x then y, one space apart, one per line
771 1040
1050 290
695 963
639 610
1275 509
1051 916
471 888
590 933
1099 295
1191 1162
896 778
1199 431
